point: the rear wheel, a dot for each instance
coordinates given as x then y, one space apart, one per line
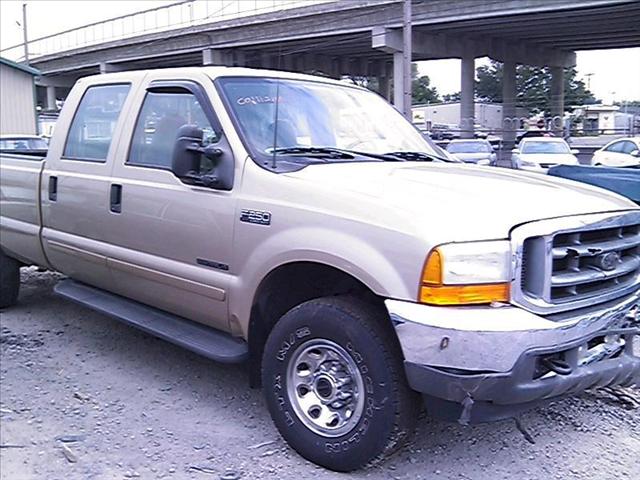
9 280
334 383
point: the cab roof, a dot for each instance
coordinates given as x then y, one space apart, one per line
214 72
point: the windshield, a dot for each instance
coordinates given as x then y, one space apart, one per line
23 143
545 147
468 147
315 114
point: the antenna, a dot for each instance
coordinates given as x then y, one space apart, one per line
275 122
275 125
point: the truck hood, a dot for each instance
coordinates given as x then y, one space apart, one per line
450 201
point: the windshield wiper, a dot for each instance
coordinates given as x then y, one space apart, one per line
332 152
418 156
322 152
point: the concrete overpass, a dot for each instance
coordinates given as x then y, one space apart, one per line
364 38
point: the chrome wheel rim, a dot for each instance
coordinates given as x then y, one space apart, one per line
325 388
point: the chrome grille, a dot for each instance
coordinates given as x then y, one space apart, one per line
574 262
588 263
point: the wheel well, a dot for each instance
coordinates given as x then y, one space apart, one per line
290 285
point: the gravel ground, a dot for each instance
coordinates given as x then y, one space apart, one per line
83 396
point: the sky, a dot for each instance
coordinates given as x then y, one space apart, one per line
615 73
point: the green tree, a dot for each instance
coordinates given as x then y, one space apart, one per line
421 89
533 87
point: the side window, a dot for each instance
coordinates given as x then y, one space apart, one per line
615 147
628 147
161 116
95 120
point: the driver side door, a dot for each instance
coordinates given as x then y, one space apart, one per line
174 246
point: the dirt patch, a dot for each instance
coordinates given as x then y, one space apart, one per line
85 397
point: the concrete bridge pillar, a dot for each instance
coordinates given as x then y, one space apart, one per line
106 67
509 121
467 87
398 81
263 60
557 100
287 64
385 72
399 44
323 64
216 56
51 98
239 58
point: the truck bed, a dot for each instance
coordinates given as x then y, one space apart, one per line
21 217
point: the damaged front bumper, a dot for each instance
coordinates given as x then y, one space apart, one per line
477 364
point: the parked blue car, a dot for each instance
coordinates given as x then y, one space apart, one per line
625 180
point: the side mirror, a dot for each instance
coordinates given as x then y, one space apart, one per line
187 154
635 153
185 158
574 151
515 150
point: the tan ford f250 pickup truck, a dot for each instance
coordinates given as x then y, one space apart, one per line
303 226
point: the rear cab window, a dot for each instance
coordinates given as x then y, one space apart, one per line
94 122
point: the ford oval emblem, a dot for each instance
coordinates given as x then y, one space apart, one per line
608 261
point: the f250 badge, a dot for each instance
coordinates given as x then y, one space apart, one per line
255 216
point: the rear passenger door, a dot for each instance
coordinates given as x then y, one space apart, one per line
76 182
174 245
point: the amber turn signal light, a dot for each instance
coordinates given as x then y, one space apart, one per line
434 292
464 294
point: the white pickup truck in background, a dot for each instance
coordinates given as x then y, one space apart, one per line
304 226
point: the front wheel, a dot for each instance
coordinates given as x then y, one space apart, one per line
334 383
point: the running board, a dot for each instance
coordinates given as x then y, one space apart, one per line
206 341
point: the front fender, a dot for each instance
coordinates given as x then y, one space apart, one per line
369 263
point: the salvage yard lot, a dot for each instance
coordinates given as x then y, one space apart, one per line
82 396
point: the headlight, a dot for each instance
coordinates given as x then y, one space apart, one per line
467 273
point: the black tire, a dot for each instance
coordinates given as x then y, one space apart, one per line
390 406
9 280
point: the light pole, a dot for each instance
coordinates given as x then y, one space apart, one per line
406 59
24 33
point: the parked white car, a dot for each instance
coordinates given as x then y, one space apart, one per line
623 152
539 154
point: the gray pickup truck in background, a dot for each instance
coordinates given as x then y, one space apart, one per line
303 226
